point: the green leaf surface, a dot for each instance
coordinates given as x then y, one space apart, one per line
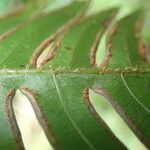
74 51
60 87
64 110
124 44
17 55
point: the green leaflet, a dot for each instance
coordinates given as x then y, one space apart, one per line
61 92
16 18
74 51
109 111
122 49
18 55
66 111
132 99
65 114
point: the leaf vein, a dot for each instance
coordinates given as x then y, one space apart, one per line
69 116
132 94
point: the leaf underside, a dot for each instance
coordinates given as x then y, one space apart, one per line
59 85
